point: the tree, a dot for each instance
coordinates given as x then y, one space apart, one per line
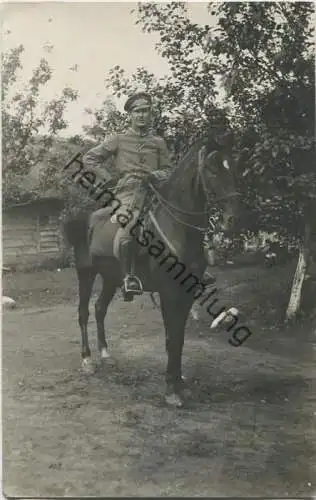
107 120
76 199
264 51
28 130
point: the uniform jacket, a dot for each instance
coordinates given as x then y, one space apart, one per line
136 156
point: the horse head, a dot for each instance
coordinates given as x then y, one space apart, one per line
217 180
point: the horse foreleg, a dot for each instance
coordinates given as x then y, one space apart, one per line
175 314
86 279
101 307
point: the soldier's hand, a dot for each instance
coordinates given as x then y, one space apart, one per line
157 176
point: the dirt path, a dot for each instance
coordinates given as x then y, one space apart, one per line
247 428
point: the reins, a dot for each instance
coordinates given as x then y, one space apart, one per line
200 178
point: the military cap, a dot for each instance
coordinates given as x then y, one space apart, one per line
140 98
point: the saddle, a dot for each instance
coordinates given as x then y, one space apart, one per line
103 228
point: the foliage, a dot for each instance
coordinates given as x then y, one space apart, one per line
264 52
59 179
28 127
107 120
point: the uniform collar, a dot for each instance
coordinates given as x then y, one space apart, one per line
138 134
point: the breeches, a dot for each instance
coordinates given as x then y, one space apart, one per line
131 197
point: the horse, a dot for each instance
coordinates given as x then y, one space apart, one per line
177 216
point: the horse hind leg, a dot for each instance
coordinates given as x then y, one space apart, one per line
101 307
86 277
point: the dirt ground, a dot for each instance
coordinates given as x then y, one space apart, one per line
247 428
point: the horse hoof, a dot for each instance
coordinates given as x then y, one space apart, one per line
174 400
104 354
87 366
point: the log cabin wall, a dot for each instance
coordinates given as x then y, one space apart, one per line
32 234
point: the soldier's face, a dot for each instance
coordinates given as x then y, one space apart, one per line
141 116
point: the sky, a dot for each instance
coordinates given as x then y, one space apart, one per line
94 36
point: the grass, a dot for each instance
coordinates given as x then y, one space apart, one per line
245 429
42 288
260 293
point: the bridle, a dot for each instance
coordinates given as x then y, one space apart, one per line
210 197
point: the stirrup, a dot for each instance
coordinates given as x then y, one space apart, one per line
132 285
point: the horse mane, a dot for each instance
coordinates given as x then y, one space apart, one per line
186 160
183 172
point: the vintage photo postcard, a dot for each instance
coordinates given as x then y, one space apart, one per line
158 249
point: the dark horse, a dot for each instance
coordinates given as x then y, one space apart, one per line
170 248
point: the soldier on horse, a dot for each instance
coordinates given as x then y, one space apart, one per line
139 156
204 178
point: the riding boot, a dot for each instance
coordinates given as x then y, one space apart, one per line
131 283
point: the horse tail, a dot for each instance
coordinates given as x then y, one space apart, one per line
76 231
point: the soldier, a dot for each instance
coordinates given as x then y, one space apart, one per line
139 155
